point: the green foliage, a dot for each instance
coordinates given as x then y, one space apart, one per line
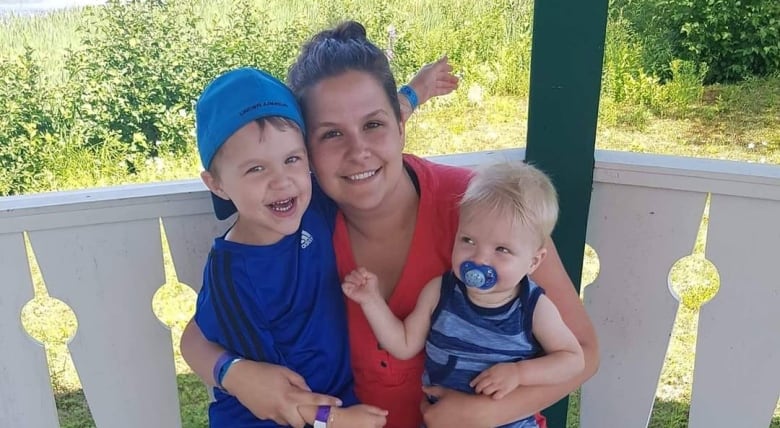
246 37
490 43
132 84
124 92
624 79
638 93
27 124
114 101
684 89
735 38
129 90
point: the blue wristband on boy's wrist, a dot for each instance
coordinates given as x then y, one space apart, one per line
410 95
221 367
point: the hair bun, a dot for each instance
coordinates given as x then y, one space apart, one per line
349 30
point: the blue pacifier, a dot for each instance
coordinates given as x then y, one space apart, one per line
482 277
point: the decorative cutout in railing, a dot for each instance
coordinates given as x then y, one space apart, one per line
590 268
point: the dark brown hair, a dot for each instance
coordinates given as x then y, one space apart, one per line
335 51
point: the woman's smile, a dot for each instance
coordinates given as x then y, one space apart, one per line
362 176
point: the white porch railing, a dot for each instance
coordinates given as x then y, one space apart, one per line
100 252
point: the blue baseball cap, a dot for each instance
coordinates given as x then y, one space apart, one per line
229 102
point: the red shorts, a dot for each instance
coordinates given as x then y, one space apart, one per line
540 419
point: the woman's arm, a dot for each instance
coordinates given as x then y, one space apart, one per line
433 80
463 410
268 391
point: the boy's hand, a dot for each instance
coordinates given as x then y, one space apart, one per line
361 286
358 416
433 80
273 392
498 381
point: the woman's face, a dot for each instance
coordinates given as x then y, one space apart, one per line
355 140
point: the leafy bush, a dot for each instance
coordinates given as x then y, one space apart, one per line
27 126
143 64
133 82
126 99
638 92
684 89
129 90
624 79
246 37
735 38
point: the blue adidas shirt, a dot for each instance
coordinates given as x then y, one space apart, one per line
280 304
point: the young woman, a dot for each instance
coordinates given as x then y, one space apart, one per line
397 218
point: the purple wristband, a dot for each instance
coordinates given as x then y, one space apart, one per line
321 418
223 359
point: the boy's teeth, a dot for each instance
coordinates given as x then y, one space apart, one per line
282 206
362 175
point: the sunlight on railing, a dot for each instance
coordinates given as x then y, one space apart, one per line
173 303
53 324
693 281
590 268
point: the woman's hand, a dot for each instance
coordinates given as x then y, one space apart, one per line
273 392
433 80
445 412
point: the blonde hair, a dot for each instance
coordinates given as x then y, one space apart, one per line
516 189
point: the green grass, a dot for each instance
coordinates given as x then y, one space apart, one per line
53 33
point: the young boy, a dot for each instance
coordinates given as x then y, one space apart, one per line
270 289
485 326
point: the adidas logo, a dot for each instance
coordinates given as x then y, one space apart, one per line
306 239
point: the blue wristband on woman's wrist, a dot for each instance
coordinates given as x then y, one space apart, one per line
410 95
223 364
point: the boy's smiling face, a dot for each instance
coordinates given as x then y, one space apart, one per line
265 173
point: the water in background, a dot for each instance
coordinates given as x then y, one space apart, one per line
33 7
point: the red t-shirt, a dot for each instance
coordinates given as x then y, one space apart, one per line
380 379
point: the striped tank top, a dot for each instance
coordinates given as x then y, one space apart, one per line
465 339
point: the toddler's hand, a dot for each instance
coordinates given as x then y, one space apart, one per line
358 416
497 381
361 286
